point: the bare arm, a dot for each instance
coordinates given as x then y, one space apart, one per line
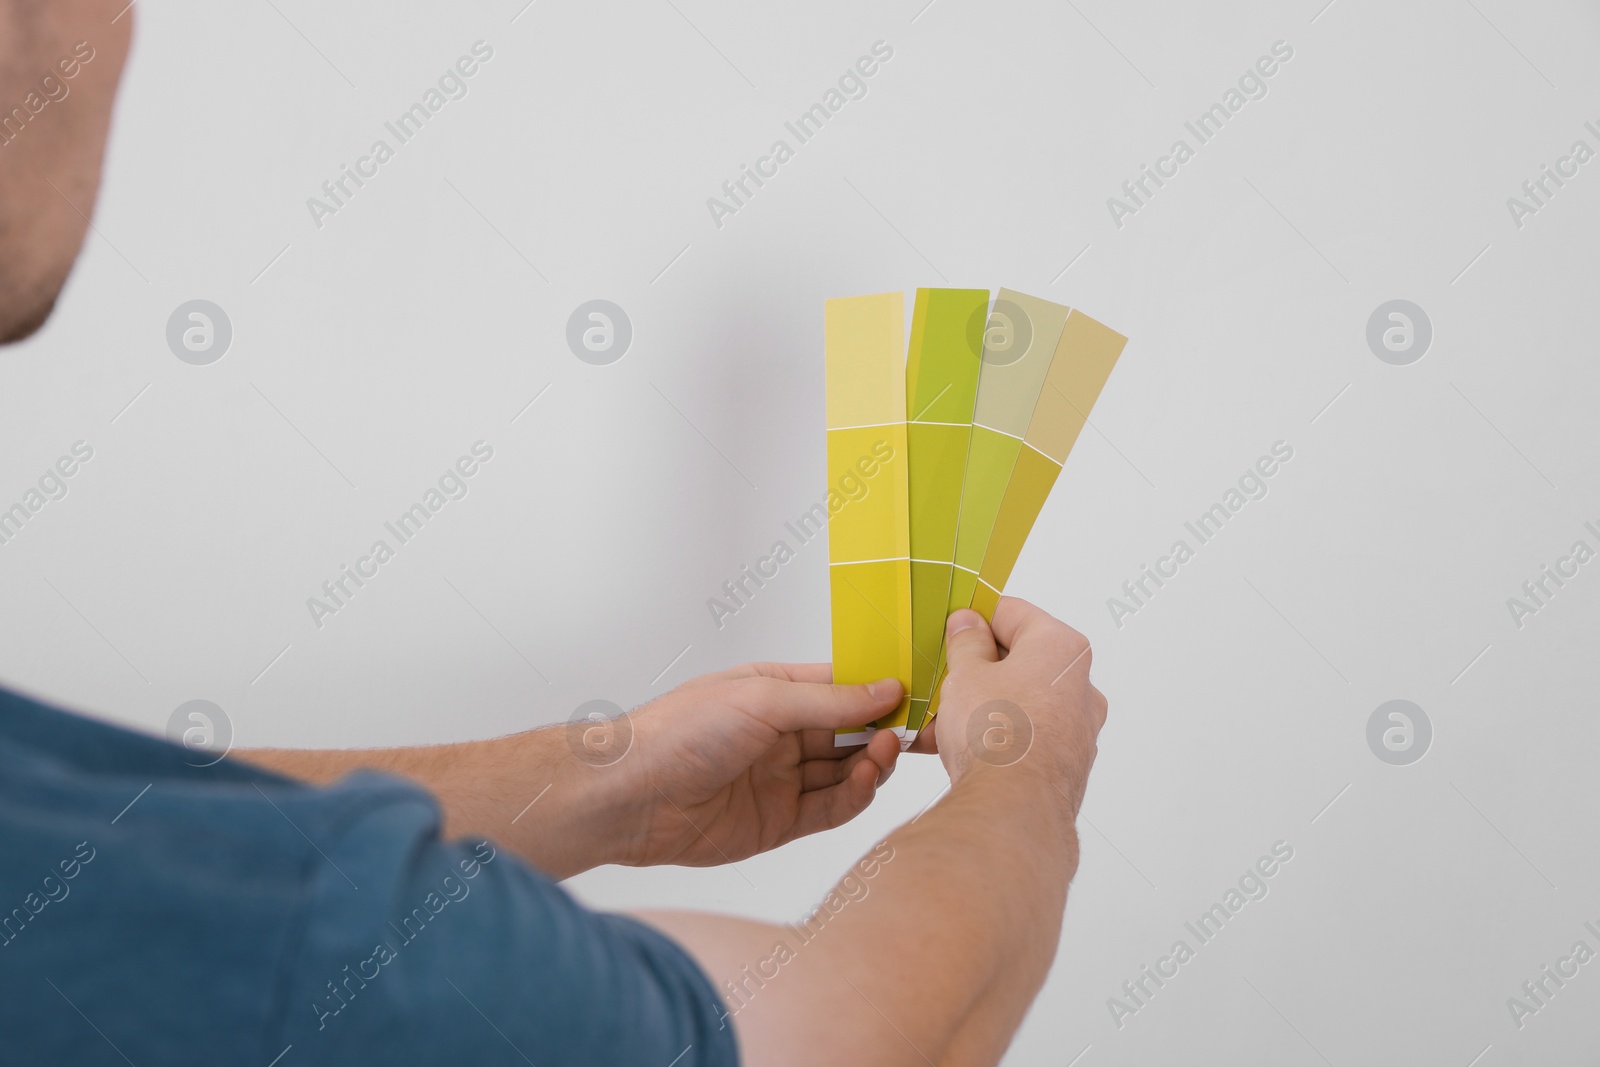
578 819
941 955
723 767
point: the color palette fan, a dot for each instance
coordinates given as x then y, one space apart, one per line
941 454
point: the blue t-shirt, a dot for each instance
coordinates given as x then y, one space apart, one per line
157 913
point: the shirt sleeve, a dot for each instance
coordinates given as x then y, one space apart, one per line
417 951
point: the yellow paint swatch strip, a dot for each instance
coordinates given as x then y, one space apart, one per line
869 551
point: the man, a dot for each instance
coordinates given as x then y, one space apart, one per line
397 906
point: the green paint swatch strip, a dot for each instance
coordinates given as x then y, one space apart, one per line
942 367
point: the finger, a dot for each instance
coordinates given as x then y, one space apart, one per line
1017 621
821 744
789 672
793 672
884 751
791 706
968 639
821 773
824 809
927 739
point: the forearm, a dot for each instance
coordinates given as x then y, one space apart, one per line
525 790
936 961
984 911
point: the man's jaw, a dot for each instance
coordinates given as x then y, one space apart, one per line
27 323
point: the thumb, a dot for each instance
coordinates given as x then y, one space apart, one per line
969 639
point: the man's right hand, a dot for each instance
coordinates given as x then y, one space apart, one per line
1017 697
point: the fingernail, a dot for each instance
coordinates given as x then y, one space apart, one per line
884 689
965 619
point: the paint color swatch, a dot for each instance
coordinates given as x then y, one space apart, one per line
869 553
941 385
939 463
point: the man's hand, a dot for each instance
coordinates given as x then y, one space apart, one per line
732 764
721 768
1017 694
